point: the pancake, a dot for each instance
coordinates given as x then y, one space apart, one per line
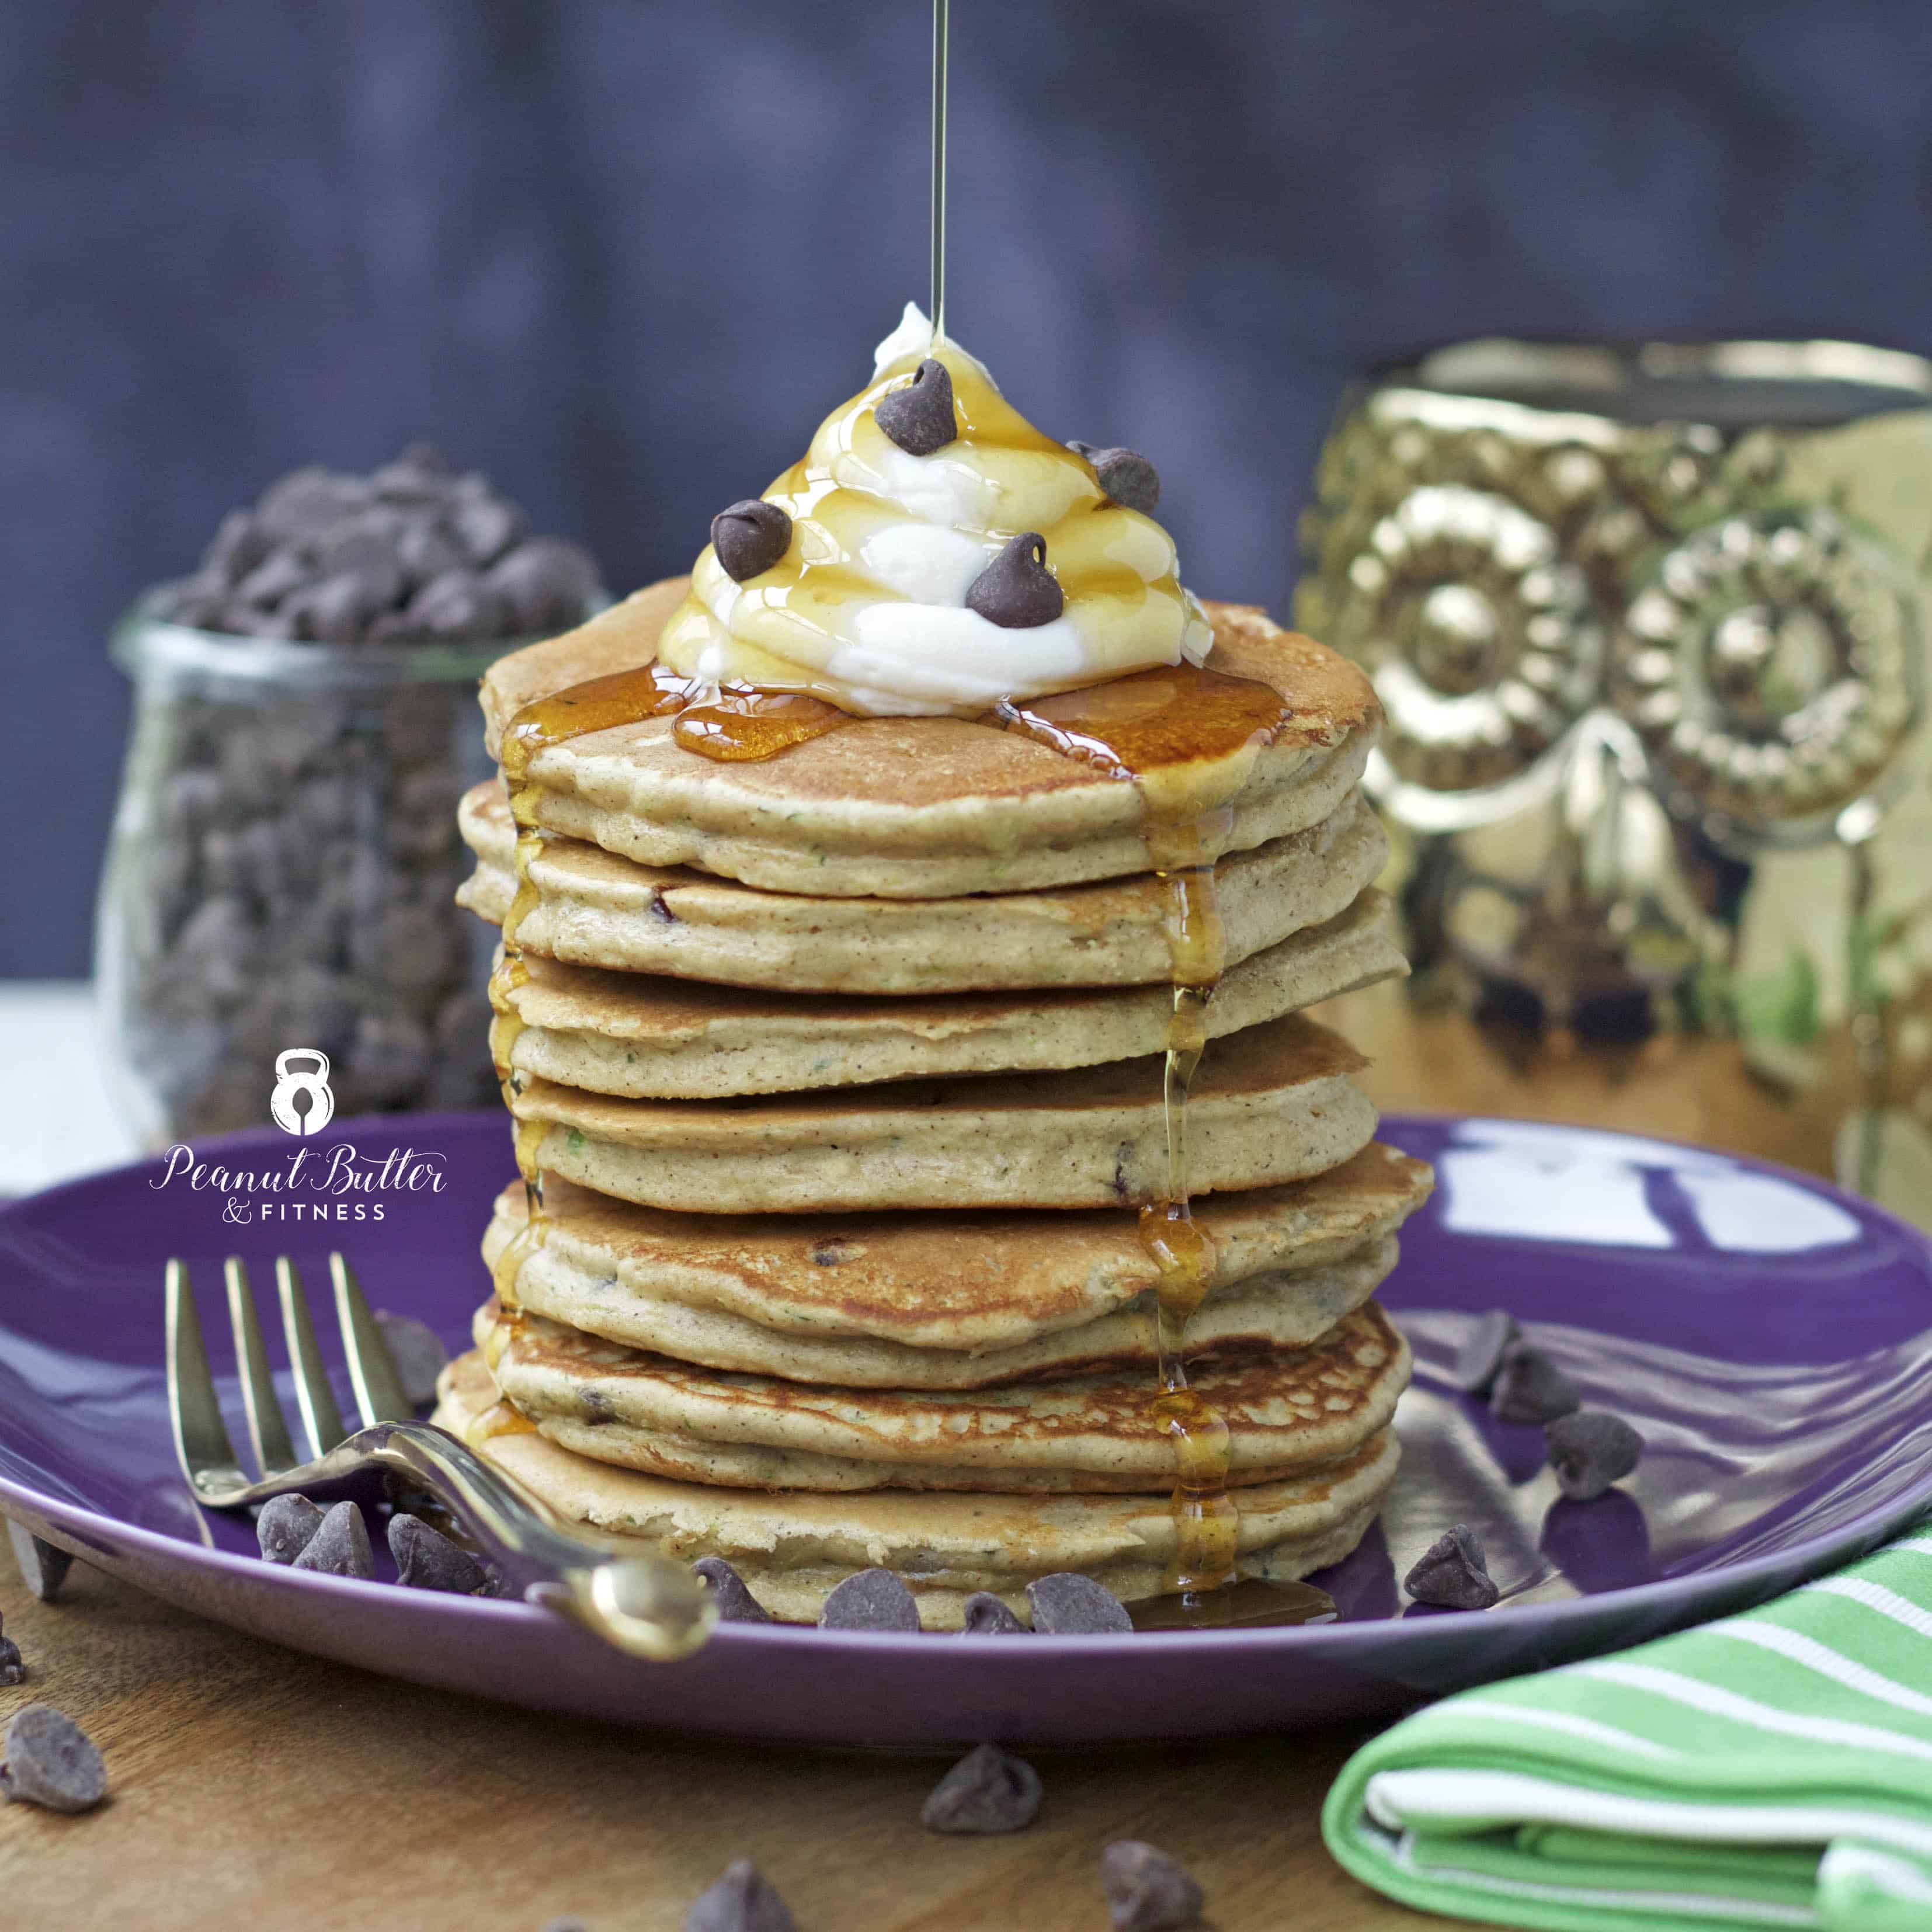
647 1037
1278 1107
918 808
1275 1309
963 1284
1285 1411
792 1547
594 909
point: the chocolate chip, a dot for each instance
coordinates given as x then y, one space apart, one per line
237 547
986 1615
736 1603
985 1793
1530 1387
339 1547
871 1600
919 417
742 1900
1067 1604
1590 1450
1128 478
459 608
287 1527
50 1761
271 580
1147 1891
1452 1574
426 1559
425 550
42 1568
12 1669
305 502
483 524
1481 1355
1016 591
749 536
548 582
335 609
417 1353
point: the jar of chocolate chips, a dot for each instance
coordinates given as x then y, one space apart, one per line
284 857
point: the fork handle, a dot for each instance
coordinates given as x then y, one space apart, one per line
647 1606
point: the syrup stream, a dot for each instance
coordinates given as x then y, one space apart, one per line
936 304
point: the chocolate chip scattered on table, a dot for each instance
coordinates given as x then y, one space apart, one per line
46 1759
987 1793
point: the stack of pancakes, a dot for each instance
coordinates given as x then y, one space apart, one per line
843 1070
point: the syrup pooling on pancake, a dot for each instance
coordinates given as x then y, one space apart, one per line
870 605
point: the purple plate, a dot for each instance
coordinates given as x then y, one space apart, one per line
1769 1335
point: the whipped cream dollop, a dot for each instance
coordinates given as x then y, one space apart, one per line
867 606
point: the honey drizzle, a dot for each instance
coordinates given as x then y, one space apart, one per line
1180 734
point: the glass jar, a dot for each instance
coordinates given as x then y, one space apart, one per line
280 878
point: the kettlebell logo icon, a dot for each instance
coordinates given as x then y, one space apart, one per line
302 1103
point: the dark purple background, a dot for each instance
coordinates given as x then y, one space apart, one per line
625 253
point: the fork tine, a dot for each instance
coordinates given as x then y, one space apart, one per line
194 1410
379 1390
267 1430
316 1399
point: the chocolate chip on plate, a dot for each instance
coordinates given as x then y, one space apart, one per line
1452 1574
919 417
418 1354
987 1792
749 536
340 1546
743 1900
287 1527
1016 591
1591 1449
426 1559
42 1568
1530 1387
986 1615
1147 1891
1128 478
1474 1370
1068 1604
870 1600
49 1760
13 1668
736 1603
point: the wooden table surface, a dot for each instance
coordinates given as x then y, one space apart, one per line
253 1787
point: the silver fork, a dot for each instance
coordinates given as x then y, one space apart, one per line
647 1606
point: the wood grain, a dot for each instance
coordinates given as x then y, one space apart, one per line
254 1788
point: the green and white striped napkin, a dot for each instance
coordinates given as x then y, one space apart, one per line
1772 1769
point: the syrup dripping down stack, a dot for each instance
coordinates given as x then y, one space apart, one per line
866 1215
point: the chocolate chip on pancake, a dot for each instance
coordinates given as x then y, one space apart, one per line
919 416
1016 591
1128 478
750 537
